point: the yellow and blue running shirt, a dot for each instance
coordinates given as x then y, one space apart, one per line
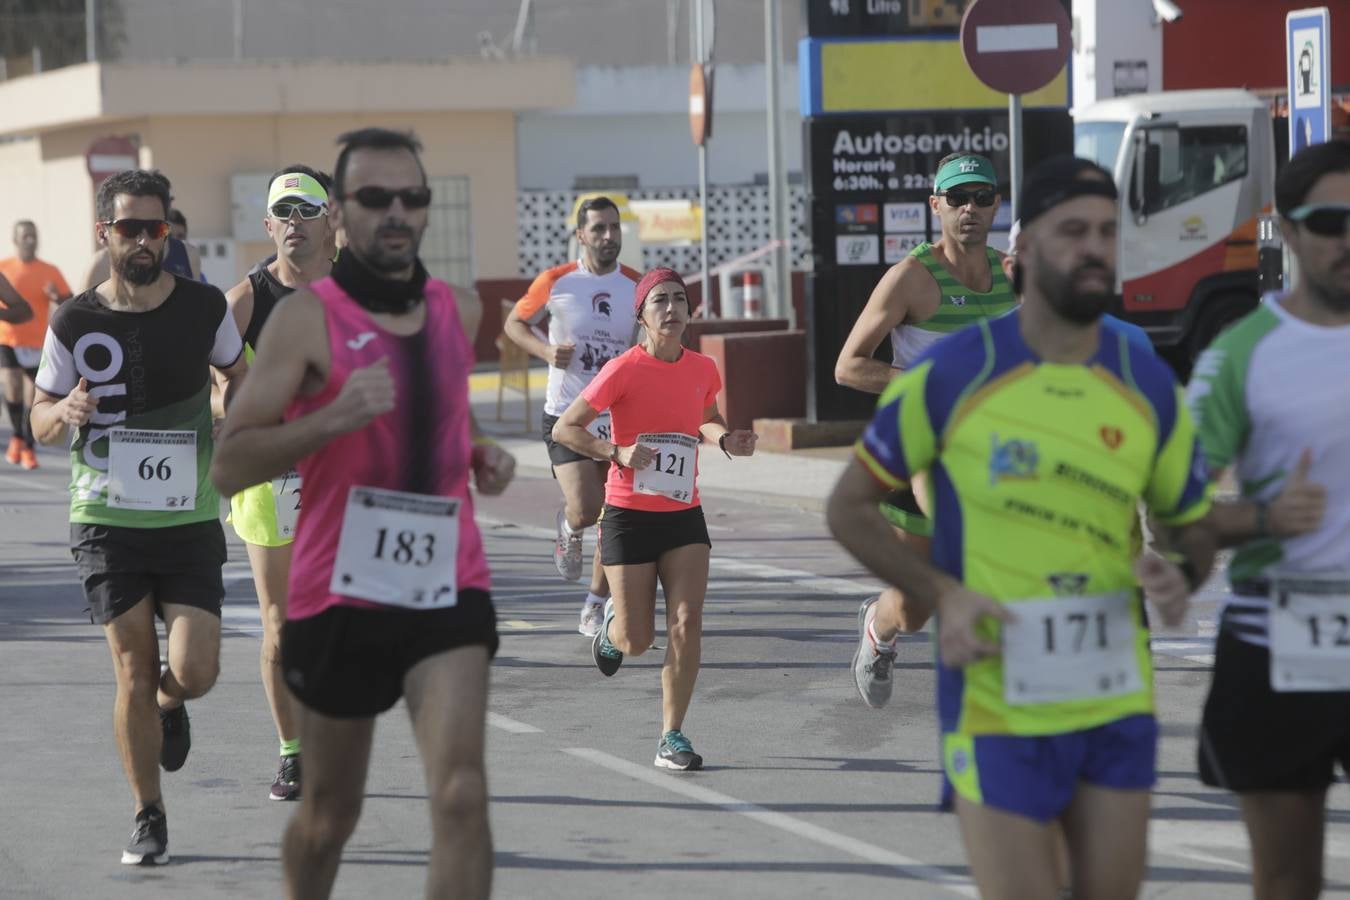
1035 475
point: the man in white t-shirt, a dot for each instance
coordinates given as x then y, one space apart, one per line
589 307
1269 397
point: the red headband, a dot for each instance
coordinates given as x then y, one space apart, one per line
651 280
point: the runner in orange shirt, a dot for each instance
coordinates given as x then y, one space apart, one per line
41 286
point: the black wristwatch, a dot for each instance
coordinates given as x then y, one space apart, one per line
722 444
614 456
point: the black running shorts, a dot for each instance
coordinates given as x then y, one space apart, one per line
557 453
10 360
120 566
630 537
349 662
1255 739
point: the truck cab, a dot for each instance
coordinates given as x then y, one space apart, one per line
1196 175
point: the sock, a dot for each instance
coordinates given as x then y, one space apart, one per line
15 411
28 427
291 747
593 600
877 643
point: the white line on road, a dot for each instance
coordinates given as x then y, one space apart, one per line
505 723
911 868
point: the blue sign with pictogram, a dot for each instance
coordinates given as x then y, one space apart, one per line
1308 52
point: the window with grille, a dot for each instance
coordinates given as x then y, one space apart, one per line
447 245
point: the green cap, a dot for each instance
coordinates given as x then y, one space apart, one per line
964 170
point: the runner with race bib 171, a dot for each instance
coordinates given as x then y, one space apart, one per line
663 398
589 306
1041 432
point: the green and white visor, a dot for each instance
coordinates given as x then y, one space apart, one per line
964 170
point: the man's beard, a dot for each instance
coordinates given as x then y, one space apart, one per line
140 273
379 260
1327 292
1079 306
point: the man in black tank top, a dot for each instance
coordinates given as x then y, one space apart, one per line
263 516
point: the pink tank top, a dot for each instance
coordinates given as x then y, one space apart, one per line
422 446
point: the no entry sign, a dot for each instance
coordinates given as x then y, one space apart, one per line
1015 46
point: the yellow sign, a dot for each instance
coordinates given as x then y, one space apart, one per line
668 221
864 76
936 13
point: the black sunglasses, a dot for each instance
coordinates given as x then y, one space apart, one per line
131 229
372 197
957 198
1323 219
284 209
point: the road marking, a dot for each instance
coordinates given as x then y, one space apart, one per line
30 485
911 868
518 624
506 723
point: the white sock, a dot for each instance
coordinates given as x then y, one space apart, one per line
593 600
877 643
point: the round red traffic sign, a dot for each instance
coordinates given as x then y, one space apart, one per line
1016 46
110 155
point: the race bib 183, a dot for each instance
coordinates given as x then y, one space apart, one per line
398 549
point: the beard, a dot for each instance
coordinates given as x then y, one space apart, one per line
1060 289
378 259
1330 293
140 273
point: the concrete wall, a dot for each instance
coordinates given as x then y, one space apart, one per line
635 121
1108 32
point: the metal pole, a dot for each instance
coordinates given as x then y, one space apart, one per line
91 30
238 29
1015 150
702 167
780 304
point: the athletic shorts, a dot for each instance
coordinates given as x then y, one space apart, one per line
253 513
1037 777
120 566
557 453
630 537
349 662
901 509
26 358
1254 739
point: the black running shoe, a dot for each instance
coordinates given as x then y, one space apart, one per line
150 841
286 786
675 752
177 738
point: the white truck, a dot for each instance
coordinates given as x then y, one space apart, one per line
1196 175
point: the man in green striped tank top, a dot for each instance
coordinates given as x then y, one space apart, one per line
939 288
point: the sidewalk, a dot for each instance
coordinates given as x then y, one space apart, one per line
801 479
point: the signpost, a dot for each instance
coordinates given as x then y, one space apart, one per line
1308 54
1016 46
110 155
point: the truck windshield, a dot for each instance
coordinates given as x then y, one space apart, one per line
1099 142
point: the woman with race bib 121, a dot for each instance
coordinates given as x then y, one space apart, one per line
662 399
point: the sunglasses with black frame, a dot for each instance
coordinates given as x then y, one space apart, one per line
154 229
959 197
373 197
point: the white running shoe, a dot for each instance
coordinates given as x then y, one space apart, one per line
567 549
592 614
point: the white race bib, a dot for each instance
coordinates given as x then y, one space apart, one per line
1310 632
398 549
671 473
286 499
601 427
1071 648
152 470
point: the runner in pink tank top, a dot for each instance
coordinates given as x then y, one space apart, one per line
361 382
421 446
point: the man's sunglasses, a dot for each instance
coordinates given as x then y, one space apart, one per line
1323 219
154 229
285 210
372 197
957 198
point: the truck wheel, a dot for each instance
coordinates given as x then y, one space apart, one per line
1218 314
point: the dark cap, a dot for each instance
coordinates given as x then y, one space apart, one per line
1061 179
